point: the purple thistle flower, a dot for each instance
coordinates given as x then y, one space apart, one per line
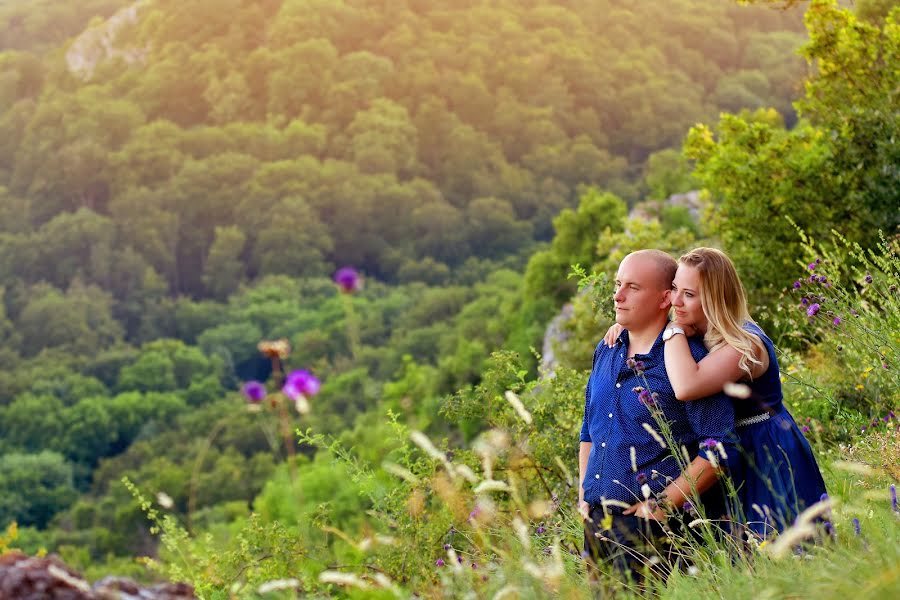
797 284
301 383
439 562
868 278
837 321
254 391
856 527
540 529
811 266
709 443
894 498
812 310
348 279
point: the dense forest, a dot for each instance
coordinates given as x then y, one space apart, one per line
179 180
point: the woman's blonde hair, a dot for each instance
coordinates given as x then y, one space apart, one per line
724 304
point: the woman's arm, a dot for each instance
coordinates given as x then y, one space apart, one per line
692 380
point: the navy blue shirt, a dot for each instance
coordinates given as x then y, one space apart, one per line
614 419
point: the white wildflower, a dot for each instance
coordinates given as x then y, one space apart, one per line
520 408
402 473
736 390
654 434
276 585
491 485
165 500
348 579
522 532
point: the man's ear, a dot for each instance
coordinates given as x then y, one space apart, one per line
667 300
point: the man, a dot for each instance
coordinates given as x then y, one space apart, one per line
631 479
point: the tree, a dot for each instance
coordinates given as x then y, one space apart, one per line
223 268
34 488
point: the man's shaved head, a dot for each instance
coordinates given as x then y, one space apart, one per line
665 266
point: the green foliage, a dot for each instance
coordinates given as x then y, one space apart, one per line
34 487
835 169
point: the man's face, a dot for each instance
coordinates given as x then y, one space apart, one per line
640 294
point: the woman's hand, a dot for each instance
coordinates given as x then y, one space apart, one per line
689 330
612 334
645 510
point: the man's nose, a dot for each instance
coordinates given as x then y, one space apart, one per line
618 296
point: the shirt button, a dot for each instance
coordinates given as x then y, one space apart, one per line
597 476
618 385
610 415
603 445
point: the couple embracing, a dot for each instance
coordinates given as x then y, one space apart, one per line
659 434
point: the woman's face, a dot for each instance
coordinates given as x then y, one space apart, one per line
686 298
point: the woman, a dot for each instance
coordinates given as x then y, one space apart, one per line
778 477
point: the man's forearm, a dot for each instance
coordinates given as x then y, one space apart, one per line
584 452
699 476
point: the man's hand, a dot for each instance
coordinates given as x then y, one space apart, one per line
643 510
584 509
612 334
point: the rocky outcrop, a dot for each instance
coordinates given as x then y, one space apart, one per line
554 338
25 577
98 43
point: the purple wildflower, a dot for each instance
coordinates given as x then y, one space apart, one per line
818 261
797 284
641 478
459 559
805 429
688 507
301 383
474 565
709 443
811 266
837 321
254 391
447 546
822 279
868 278
348 280
646 398
630 363
540 529
853 312
894 498
813 310
856 526
804 300
439 562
